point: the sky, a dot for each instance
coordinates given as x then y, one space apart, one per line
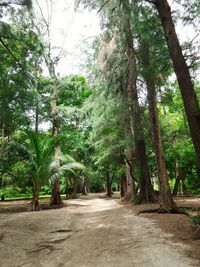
72 32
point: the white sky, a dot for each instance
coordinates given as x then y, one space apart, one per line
75 31
72 30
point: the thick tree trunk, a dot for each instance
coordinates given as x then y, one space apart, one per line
146 191
190 100
123 187
56 197
74 193
166 200
130 192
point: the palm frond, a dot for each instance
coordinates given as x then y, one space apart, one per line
36 145
22 149
66 158
72 166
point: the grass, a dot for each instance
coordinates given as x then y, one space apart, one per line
29 197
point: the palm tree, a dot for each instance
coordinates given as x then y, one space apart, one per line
40 154
42 164
58 167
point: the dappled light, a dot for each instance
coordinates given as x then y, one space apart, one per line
99 133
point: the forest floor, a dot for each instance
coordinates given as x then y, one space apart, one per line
96 231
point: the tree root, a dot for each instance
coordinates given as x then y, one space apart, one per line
61 231
50 244
162 210
1 236
57 241
41 248
127 246
142 199
148 211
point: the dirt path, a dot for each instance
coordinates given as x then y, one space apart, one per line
95 232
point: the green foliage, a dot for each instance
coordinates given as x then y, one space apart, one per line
96 185
10 192
91 119
195 220
20 49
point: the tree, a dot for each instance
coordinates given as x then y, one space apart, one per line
146 191
190 100
39 152
17 96
166 200
43 167
130 192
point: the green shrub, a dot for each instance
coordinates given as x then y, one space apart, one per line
195 220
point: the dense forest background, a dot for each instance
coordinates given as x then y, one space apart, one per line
132 123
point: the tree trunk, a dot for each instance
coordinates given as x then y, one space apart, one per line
108 185
36 115
75 188
166 200
175 190
130 192
35 201
184 187
190 100
146 191
55 196
123 187
177 182
85 186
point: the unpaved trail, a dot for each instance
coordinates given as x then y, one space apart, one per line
95 232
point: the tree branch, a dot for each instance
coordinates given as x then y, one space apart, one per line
105 3
16 60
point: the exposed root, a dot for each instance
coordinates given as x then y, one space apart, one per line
148 211
127 246
57 241
61 231
41 248
2 236
142 199
162 210
49 245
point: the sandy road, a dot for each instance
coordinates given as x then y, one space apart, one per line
95 232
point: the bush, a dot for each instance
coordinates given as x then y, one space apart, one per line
15 192
96 185
45 190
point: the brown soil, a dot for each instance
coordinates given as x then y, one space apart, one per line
179 225
95 231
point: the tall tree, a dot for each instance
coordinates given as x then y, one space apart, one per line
146 191
166 200
130 183
190 100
